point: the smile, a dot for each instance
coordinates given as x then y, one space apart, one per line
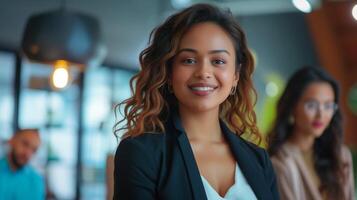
202 88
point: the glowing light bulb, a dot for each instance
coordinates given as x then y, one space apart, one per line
60 75
303 5
354 12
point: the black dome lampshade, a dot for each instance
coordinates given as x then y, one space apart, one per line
63 35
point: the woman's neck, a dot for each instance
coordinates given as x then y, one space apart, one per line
202 126
304 141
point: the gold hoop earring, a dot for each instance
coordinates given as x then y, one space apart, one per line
291 120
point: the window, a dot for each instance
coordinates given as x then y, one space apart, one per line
55 113
104 87
7 76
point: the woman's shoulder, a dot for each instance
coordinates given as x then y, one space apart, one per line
346 154
252 146
150 142
284 156
141 151
259 152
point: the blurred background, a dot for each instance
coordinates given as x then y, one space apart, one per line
74 107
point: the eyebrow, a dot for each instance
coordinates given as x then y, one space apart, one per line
323 101
210 52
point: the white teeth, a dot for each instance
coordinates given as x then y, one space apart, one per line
202 88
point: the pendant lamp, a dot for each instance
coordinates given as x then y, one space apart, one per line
63 35
62 39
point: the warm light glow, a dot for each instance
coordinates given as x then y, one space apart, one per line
303 5
354 12
271 89
61 63
60 75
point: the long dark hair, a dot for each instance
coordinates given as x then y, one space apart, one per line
326 148
152 101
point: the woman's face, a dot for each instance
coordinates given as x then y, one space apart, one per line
203 71
315 109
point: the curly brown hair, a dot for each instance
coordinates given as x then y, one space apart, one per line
151 102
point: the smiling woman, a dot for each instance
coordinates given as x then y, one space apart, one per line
192 101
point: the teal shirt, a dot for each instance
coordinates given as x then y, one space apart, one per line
25 183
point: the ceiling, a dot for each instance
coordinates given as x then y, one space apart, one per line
126 25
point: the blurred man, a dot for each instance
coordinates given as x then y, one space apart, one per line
18 180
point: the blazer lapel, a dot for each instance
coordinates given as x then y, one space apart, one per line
190 162
248 163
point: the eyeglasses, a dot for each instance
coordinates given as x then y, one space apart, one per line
312 107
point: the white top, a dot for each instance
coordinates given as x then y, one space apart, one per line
240 190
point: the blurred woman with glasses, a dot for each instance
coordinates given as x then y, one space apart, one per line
306 142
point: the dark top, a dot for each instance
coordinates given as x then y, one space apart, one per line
162 166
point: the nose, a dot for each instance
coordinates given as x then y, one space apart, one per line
204 70
318 111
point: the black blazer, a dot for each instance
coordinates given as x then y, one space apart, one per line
162 166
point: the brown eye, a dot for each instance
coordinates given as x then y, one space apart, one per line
189 61
332 106
311 105
219 62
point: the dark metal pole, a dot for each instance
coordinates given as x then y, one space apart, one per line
17 91
80 136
